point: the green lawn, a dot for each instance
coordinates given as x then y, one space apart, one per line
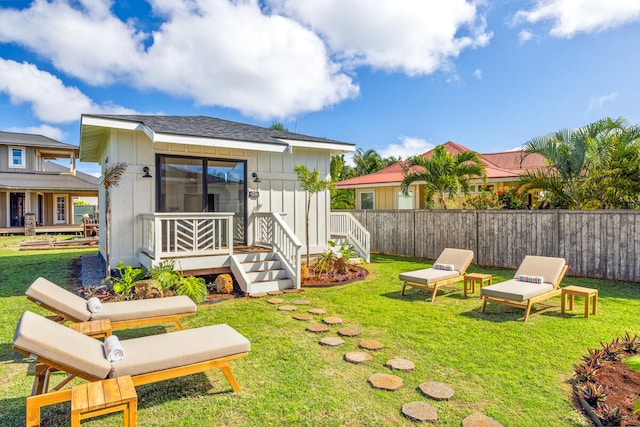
514 372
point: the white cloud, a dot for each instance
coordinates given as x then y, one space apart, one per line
45 130
414 36
51 101
570 17
81 38
409 146
599 101
478 74
524 36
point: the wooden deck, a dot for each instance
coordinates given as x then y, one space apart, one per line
47 229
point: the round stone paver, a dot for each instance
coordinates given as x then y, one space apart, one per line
420 411
301 302
302 316
436 390
332 320
258 295
275 300
372 345
358 357
332 341
479 420
272 293
287 308
293 291
349 332
386 382
317 328
400 364
318 311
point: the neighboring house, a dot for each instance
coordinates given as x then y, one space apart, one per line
381 190
30 183
200 190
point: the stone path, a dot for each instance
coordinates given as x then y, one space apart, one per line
417 411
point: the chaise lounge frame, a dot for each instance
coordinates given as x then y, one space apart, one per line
526 304
435 285
63 317
42 395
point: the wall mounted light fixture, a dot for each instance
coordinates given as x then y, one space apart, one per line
255 177
146 172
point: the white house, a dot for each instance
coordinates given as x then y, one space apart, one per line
196 187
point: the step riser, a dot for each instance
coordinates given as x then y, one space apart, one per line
261 276
273 285
255 257
260 265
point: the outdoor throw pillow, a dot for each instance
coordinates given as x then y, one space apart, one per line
530 279
445 267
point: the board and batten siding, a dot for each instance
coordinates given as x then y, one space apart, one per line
279 189
599 244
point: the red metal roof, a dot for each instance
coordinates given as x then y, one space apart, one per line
504 165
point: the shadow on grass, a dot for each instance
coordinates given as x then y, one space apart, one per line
500 313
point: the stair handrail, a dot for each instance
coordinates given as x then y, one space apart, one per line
272 230
346 225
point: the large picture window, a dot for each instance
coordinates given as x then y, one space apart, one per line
366 200
187 184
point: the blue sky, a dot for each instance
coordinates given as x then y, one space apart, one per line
398 76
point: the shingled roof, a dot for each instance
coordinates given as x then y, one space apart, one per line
503 165
32 140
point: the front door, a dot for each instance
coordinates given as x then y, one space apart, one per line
16 209
187 184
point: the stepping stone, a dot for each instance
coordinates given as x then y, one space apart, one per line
331 320
349 332
420 411
318 328
436 390
275 300
479 420
386 382
372 345
293 291
318 311
274 293
332 341
302 316
358 357
258 295
401 364
301 302
287 308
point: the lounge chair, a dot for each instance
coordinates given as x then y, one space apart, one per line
147 359
454 263
122 314
538 278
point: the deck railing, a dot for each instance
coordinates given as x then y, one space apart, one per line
345 225
272 231
173 235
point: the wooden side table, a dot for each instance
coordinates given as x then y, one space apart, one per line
93 328
587 293
471 279
104 397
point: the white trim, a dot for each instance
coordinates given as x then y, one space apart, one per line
216 142
23 158
338 147
373 194
55 209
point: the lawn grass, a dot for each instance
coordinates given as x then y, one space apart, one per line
515 372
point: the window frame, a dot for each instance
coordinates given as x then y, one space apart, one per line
400 196
373 199
23 160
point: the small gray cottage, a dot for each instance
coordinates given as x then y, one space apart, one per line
202 191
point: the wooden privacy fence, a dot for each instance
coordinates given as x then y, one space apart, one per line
598 244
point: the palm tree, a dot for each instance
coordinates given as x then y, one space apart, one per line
367 161
574 159
443 173
110 178
311 184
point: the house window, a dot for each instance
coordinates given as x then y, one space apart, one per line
59 209
16 157
405 202
366 200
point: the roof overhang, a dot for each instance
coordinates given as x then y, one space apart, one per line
95 131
